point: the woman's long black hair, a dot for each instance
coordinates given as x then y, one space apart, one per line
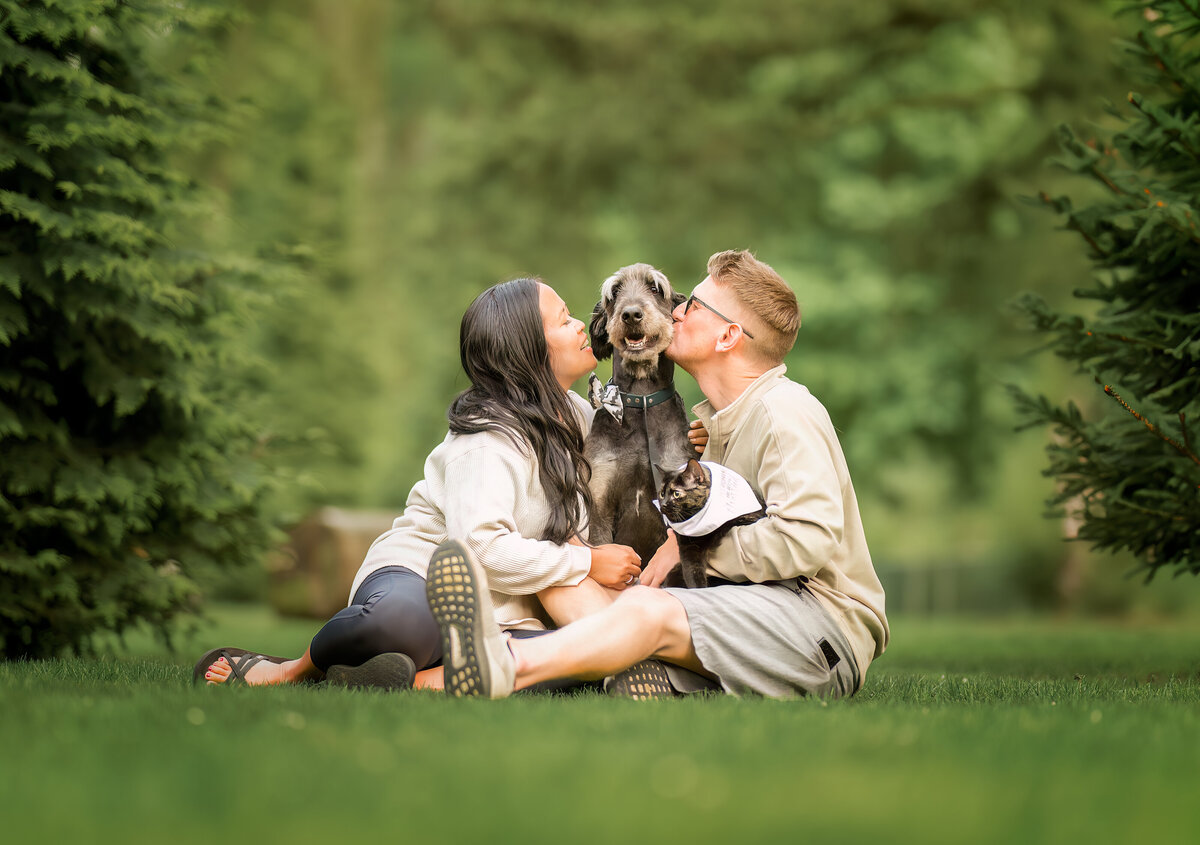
514 392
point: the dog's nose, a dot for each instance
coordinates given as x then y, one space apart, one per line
632 315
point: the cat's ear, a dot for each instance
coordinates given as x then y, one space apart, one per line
668 475
695 473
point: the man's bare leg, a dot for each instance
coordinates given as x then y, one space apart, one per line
564 604
640 624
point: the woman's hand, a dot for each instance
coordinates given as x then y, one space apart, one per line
662 563
697 435
614 566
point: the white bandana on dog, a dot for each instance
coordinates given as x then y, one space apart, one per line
730 497
606 396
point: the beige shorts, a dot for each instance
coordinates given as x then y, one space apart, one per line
774 640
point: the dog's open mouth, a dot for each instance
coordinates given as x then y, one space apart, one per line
635 342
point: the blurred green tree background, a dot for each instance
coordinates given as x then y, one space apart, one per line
403 156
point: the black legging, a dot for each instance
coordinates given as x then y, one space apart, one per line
390 613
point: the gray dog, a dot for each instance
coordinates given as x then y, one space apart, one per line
640 428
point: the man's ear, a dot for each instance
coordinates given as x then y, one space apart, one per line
729 336
601 347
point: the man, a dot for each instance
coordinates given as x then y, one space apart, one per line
798 608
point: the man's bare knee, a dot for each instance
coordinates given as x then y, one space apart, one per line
657 611
646 599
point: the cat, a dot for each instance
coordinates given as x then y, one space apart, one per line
684 493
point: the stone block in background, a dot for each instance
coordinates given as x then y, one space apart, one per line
311 574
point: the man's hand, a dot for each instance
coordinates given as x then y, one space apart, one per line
615 566
664 560
697 435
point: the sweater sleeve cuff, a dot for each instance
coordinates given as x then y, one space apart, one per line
579 561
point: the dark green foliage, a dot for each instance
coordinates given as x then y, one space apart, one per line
126 475
1133 470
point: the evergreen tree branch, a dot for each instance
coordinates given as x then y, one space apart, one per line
1095 170
1147 511
1157 347
1155 430
1187 441
1166 66
1189 233
1195 13
1176 135
1075 226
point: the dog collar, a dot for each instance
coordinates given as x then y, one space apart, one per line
615 401
649 400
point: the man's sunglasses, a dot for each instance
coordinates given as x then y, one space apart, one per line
693 298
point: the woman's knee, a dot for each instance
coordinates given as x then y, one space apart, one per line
355 636
410 633
568 604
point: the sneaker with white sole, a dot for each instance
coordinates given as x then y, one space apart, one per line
475 654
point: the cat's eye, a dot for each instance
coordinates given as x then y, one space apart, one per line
677 494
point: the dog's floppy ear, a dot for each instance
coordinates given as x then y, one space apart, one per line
659 282
601 347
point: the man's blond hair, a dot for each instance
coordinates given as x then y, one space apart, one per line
775 313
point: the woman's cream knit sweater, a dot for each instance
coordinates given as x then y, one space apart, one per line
484 491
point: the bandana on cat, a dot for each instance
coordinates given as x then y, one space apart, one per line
731 496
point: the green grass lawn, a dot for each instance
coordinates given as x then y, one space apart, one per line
997 731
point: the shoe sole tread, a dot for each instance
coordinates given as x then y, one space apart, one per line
642 681
453 599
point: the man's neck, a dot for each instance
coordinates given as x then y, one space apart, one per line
723 385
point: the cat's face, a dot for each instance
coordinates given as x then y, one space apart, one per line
684 491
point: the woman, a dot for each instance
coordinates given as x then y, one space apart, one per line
510 478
